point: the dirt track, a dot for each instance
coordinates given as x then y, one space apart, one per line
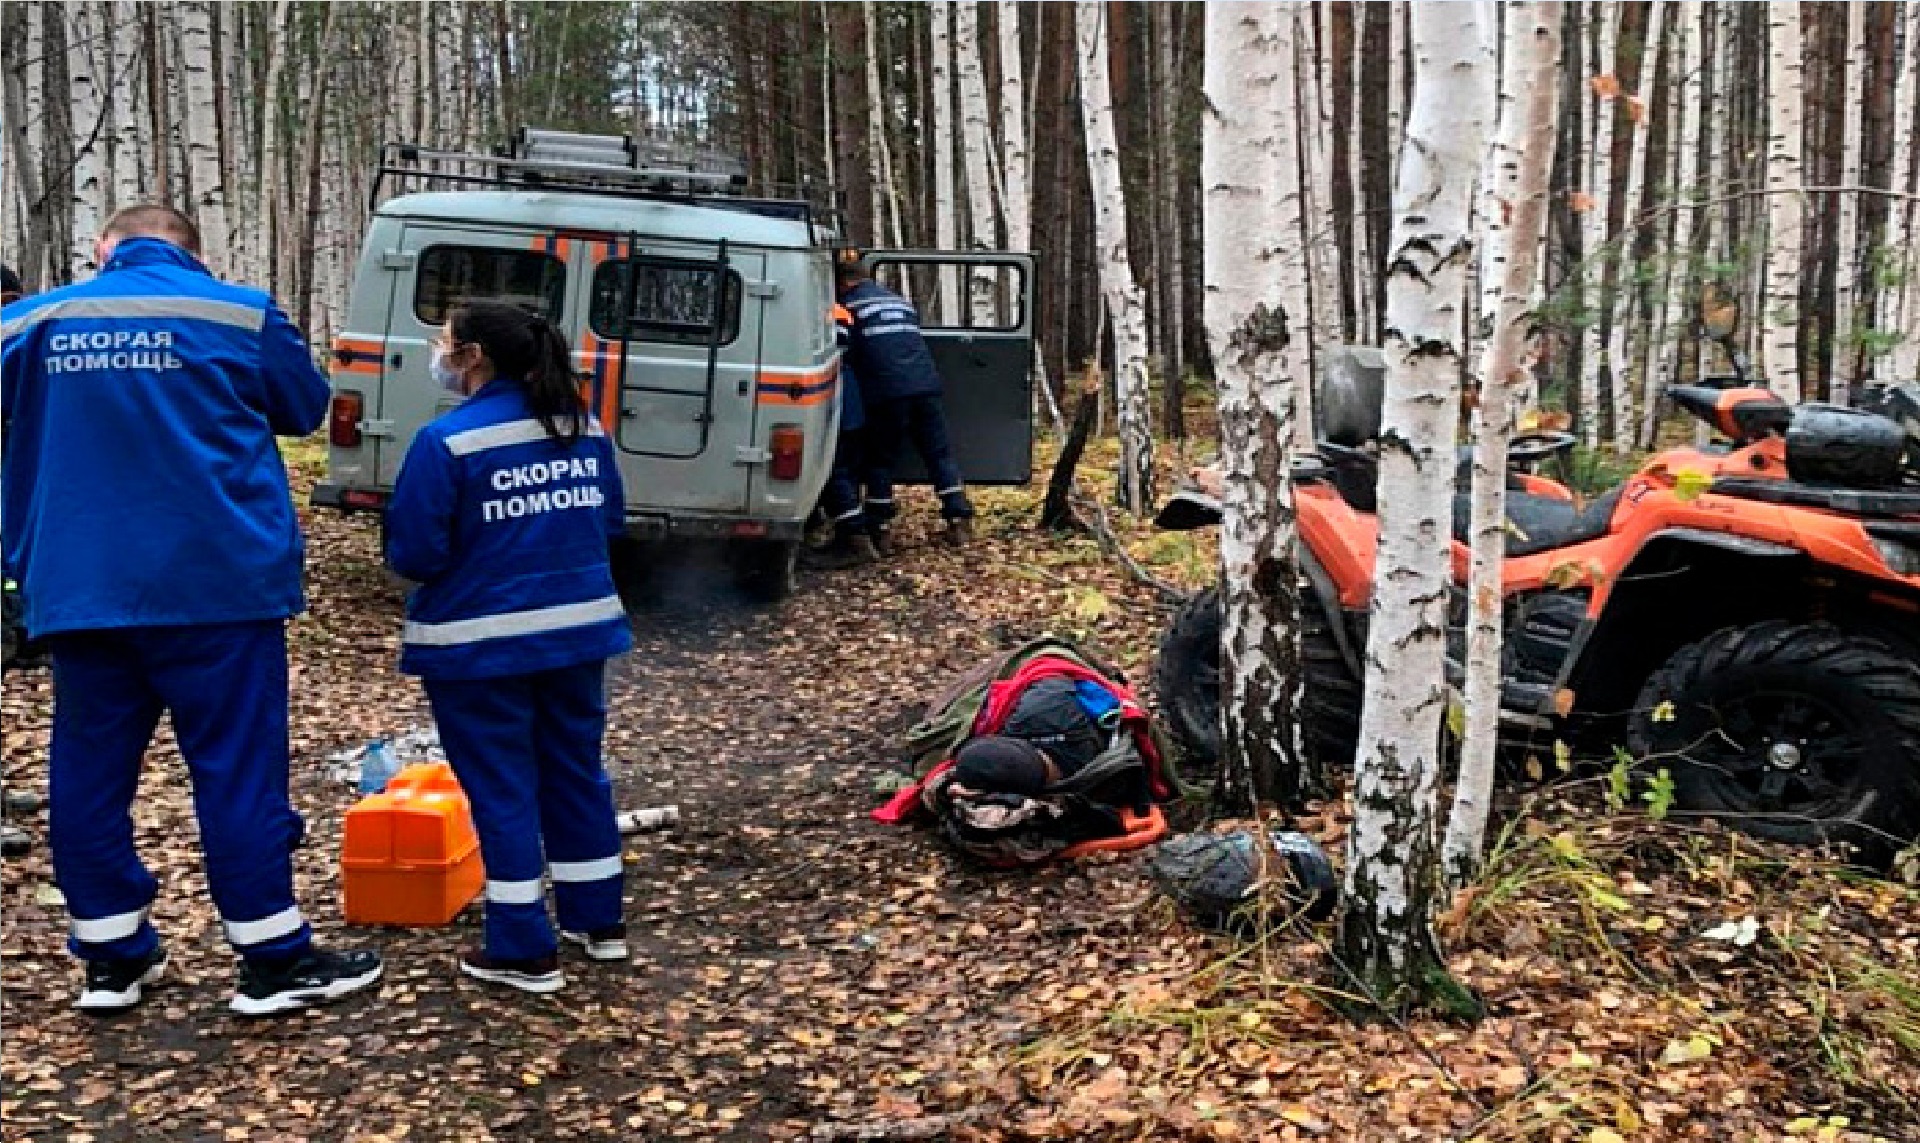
794 962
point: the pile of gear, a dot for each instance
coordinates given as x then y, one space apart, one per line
1042 754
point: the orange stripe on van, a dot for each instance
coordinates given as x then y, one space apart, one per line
357 355
797 387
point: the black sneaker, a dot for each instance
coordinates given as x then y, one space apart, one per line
317 977
609 943
844 552
538 975
116 985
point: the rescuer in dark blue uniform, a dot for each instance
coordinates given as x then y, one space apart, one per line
843 499
903 395
502 513
149 523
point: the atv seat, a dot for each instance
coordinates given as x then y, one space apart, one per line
1538 523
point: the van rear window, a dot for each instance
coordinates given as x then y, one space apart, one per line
672 301
450 275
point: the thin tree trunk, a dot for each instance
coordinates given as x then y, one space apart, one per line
1250 173
88 108
975 134
1847 322
25 103
1598 257
887 191
1017 171
1900 301
1786 209
1125 304
1516 220
198 64
1385 934
946 305
1639 107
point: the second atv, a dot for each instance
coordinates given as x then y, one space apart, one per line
1745 614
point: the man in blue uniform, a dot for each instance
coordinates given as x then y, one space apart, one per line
903 399
844 499
148 520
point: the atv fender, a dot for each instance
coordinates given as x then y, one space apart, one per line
1682 584
1322 586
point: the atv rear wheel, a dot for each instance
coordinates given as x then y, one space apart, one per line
1186 677
1797 732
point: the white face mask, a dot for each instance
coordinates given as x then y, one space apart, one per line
445 375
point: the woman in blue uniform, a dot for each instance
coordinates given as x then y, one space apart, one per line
502 514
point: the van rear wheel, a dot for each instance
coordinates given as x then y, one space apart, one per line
763 570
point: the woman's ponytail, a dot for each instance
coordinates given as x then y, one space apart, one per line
526 346
551 389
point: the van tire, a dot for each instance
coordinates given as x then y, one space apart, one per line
763 570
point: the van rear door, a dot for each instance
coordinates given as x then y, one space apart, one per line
669 337
435 267
976 311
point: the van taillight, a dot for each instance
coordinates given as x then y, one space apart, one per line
787 444
343 420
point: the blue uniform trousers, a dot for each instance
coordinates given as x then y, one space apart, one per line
841 499
526 749
226 686
923 422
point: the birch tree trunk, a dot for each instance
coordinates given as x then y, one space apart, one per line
975 136
198 65
1900 301
1598 258
1847 353
1016 203
946 306
1640 122
1126 305
26 145
1516 220
88 109
122 21
1385 935
1786 207
268 211
886 191
1254 275
1689 125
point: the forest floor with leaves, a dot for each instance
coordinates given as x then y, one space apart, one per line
802 973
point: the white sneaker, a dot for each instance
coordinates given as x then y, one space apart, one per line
601 944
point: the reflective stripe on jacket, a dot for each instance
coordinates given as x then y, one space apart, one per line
143 487
505 529
886 347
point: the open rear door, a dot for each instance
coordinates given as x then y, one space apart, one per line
976 310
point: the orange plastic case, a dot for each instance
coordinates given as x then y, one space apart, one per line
410 856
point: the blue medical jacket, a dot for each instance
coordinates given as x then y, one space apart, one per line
505 528
142 483
885 347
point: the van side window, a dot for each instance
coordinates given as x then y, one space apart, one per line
672 301
449 275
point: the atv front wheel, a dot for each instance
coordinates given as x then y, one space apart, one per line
1186 677
1796 732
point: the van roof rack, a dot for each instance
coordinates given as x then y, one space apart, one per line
618 166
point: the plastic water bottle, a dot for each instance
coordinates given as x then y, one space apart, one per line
377 766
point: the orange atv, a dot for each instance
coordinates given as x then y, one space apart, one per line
1746 615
